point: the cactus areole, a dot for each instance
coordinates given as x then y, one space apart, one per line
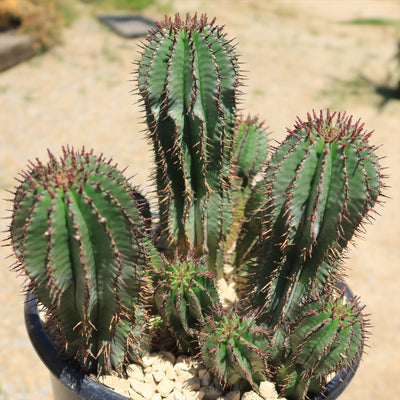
275 227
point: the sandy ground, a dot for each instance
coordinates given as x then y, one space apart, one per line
298 56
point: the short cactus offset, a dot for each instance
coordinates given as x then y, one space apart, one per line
235 348
327 336
321 183
185 294
188 78
78 234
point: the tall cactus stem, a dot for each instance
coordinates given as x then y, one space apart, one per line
188 78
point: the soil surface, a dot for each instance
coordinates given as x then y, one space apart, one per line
297 56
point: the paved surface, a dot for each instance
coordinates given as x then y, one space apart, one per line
299 56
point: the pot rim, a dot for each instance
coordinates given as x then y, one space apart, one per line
89 389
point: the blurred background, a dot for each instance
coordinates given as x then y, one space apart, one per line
78 88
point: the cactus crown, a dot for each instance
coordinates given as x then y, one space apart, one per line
328 335
83 235
344 327
342 130
188 24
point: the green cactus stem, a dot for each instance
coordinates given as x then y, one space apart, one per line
188 78
250 153
321 185
250 150
235 348
328 335
185 294
77 232
250 234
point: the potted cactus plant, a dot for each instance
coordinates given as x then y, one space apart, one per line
111 275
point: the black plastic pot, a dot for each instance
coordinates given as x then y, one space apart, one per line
69 384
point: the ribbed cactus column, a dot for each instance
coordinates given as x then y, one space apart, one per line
322 183
78 233
251 230
188 78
